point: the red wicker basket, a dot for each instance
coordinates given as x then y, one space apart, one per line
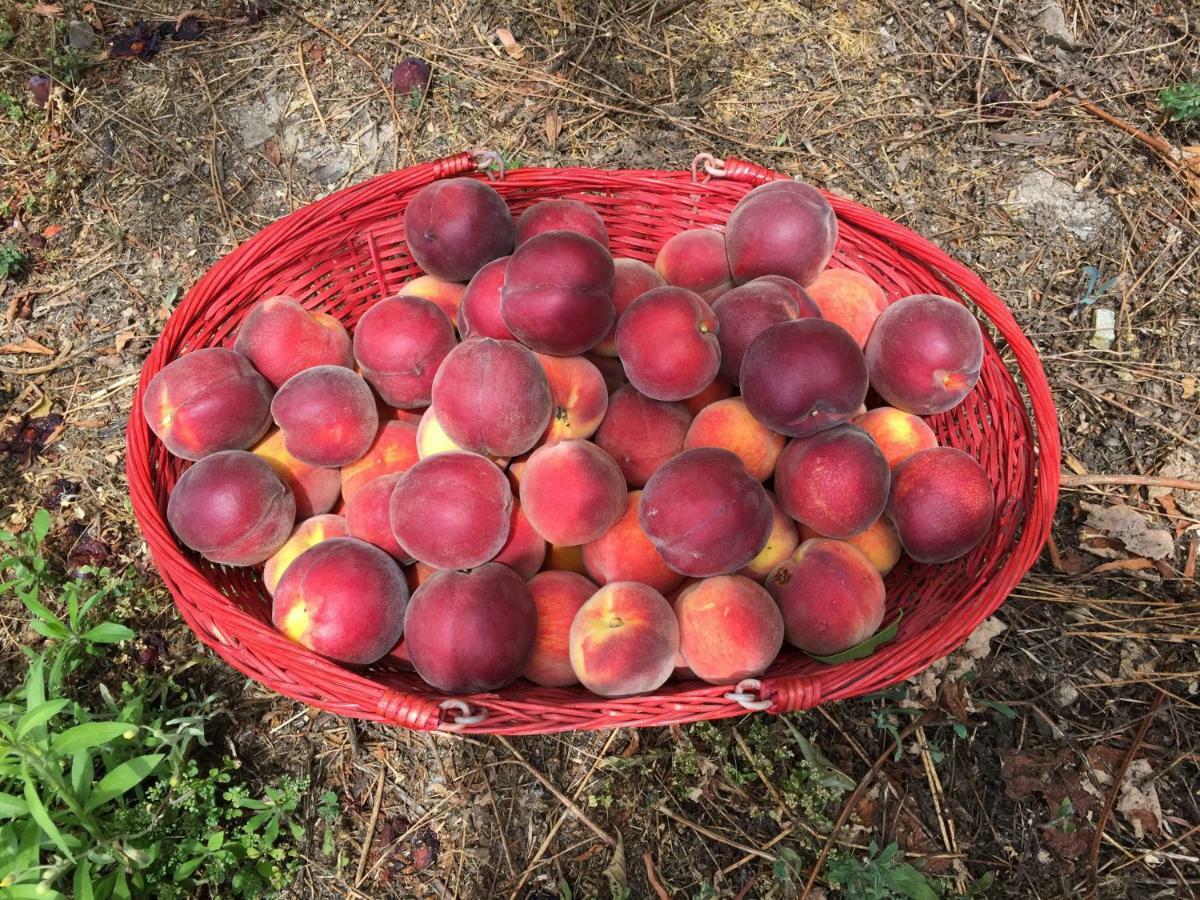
342 253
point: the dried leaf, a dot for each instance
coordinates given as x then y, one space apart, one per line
1189 387
511 46
616 872
29 345
270 149
49 10
553 126
51 231
123 339
1124 565
1131 528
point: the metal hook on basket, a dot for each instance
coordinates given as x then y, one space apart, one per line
464 718
484 157
713 166
745 694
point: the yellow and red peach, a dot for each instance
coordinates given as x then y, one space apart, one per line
879 543
898 434
730 628
561 215
558 597
803 376
207 401
696 260
784 539
942 503
564 558
704 513
307 534
624 553
781 228
924 354
316 489
624 640
578 394
399 344
232 509
455 226
280 338
432 439
445 295
369 516
632 279
572 492
830 595
641 434
835 481
468 632
718 389
557 294
610 367
343 599
479 312
849 299
525 550
327 415
492 397
667 341
728 424
452 510
744 313
394 450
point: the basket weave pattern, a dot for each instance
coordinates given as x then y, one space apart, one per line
343 253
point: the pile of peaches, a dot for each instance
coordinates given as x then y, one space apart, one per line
541 461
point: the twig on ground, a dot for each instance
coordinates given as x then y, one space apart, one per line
370 836
714 835
309 88
1179 484
652 877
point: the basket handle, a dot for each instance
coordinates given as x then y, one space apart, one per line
734 169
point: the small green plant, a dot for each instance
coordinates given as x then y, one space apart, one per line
69 65
12 261
1064 819
12 107
1182 101
887 717
881 875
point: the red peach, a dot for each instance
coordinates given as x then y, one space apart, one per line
479 312
641 434
624 553
572 492
561 215
369 516
849 299
942 503
633 278
830 595
898 434
781 228
782 543
728 424
835 481
578 395
394 450
667 341
696 260
232 509
316 489
718 389
525 550
280 337
399 344
879 543
207 401
624 640
730 628
806 307
327 415
432 439
307 534
558 597
455 226
610 367
445 295
746 312
343 599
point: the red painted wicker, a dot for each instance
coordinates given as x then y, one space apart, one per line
346 251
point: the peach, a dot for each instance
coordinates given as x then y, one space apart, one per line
307 534
830 595
632 279
432 439
455 226
784 539
469 632
746 312
781 228
624 553
849 299
898 434
492 397
667 341
696 260
578 395
924 354
563 558
730 628
803 376
557 294
280 338
558 597
232 509
316 489
561 215
572 492
515 470
445 295
525 550
641 434
207 401
942 503
369 516
624 640
398 655
327 415
343 599
479 313
728 424
610 367
704 513
806 307
394 450
835 481
399 344
879 543
452 510
418 573
718 389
